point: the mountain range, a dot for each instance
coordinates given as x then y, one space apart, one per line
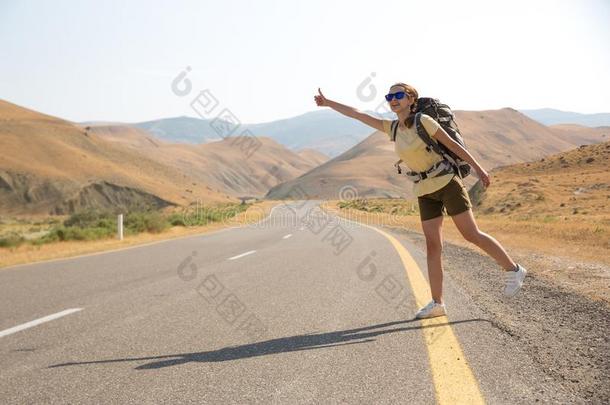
549 116
52 166
325 130
494 137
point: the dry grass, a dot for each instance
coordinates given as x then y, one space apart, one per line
579 239
573 254
559 205
573 186
28 253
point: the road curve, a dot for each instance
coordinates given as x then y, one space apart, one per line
302 307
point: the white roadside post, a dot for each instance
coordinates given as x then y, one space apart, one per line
120 226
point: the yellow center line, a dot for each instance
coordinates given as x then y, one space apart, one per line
454 382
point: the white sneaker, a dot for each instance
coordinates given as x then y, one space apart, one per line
433 309
514 281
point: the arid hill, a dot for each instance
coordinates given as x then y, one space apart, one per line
246 166
313 156
494 137
49 165
52 166
586 135
364 170
324 130
571 185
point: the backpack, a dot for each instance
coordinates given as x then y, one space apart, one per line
442 114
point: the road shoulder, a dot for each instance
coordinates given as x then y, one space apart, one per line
29 254
563 332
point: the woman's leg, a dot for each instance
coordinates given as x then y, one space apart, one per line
467 226
434 246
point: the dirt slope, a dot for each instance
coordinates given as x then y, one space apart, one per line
47 161
494 137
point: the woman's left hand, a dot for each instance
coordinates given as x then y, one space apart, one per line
483 176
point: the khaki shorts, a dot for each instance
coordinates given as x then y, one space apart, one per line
451 199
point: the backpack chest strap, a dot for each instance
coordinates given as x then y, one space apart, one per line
438 169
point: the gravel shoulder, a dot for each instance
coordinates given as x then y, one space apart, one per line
564 332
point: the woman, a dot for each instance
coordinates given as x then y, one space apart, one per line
435 195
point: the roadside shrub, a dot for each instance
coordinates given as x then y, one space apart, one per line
91 218
203 215
93 224
176 219
148 221
11 240
63 233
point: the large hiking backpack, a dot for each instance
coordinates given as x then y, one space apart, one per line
442 114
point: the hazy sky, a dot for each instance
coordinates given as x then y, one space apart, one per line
265 59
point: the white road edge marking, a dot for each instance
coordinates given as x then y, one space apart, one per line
287 236
38 321
241 255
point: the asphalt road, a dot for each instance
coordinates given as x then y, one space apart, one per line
302 307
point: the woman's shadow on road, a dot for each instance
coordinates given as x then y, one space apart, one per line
273 346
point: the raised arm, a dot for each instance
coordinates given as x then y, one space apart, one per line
349 111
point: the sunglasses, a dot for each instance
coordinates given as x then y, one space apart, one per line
399 95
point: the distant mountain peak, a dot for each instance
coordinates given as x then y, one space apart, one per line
551 116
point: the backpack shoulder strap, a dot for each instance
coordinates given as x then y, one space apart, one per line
394 126
425 136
